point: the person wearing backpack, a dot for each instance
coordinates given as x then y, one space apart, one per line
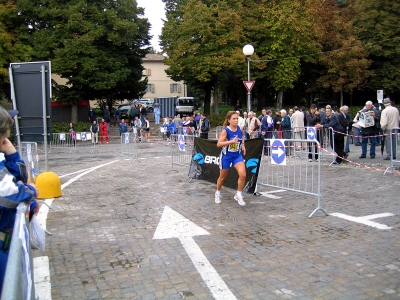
205 127
94 129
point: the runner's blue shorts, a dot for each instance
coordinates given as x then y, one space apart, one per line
228 161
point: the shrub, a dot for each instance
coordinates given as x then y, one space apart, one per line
64 127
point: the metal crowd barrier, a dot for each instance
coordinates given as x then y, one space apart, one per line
218 131
394 143
29 154
18 280
64 140
297 175
181 150
324 136
128 146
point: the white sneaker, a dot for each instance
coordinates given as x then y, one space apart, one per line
239 199
217 197
310 160
316 160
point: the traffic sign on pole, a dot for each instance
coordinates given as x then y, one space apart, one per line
249 85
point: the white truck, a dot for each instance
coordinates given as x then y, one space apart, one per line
185 106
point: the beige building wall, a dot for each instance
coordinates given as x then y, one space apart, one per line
159 84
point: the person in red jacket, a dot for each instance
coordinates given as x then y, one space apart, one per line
103 131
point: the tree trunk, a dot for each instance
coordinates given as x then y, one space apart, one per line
216 108
341 98
279 99
74 113
207 98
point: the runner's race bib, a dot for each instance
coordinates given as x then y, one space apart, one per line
233 147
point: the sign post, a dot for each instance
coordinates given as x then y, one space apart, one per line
380 98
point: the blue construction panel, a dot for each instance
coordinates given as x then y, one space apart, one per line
167 106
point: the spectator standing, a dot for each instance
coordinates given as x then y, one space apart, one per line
122 127
13 188
205 127
331 121
146 128
277 124
390 119
107 117
117 116
143 112
286 126
298 125
94 129
103 131
313 118
137 126
132 114
267 128
157 113
91 115
72 134
369 132
253 125
343 121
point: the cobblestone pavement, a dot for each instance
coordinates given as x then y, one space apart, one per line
103 248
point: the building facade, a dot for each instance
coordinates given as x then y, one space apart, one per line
159 84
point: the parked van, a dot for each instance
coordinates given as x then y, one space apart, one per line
185 106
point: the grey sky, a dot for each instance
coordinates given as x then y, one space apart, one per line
154 11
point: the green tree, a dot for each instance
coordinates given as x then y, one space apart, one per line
13 46
96 45
289 31
377 25
346 67
203 42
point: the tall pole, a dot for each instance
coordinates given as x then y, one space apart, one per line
248 92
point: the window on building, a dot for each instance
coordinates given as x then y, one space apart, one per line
175 88
150 88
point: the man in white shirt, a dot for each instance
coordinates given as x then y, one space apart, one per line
390 119
298 125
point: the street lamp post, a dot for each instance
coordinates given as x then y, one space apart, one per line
248 50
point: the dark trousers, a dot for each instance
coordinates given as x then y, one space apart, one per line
339 146
204 135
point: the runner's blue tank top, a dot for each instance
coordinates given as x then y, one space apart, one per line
233 150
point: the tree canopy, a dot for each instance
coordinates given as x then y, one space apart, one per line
96 45
292 39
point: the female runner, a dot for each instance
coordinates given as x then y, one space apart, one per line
233 149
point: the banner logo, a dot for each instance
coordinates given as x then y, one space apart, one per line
211 160
199 158
252 164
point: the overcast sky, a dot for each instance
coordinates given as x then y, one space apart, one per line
154 12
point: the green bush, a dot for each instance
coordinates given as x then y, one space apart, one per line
64 127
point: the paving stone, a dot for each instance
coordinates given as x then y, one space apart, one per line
102 245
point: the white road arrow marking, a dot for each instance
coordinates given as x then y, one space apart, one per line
366 220
268 194
174 225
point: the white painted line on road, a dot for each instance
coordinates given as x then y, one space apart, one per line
174 225
366 220
41 268
69 174
268 194
42 277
